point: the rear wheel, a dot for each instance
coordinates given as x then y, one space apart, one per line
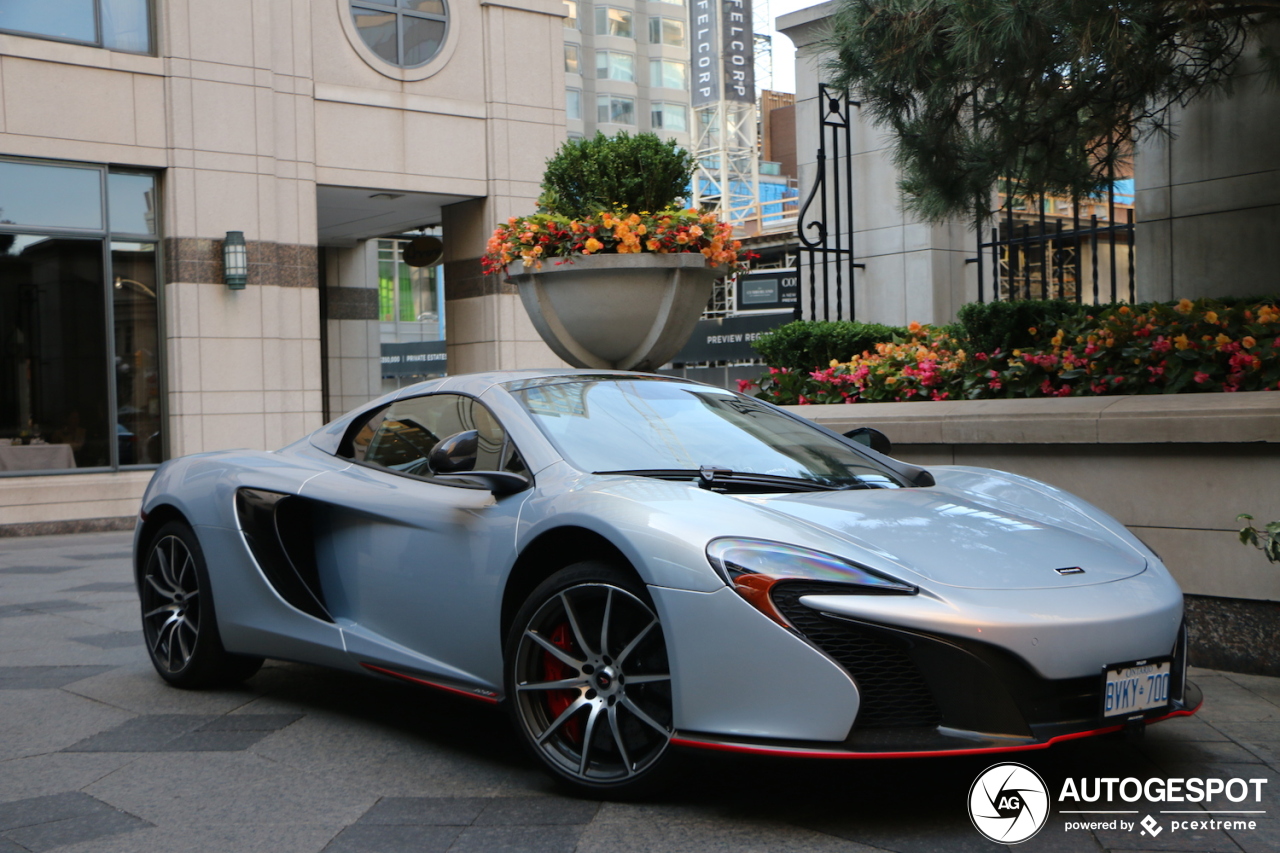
588 681
178 621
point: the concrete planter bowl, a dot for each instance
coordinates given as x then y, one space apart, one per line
617 312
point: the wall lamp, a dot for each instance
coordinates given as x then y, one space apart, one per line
235 261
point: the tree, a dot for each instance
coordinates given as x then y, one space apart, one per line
1047 94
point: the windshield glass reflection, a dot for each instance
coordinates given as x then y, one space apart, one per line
606 424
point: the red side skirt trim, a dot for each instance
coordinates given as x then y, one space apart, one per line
492 700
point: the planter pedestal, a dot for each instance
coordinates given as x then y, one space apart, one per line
617 312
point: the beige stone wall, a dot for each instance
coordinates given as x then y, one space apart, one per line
1208 200
1174 469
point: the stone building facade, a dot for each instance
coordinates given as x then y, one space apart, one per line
136 134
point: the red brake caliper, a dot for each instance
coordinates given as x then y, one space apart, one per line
555 670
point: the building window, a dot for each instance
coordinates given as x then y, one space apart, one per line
114 24
611 65
673 2
668 31
80 345
408 35
573 104
611 109
570 14
613 22
669 117
571 59
668 74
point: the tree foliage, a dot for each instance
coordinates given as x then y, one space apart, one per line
1048 94
638 173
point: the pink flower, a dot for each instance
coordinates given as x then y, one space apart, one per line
745 385
804 401
1201 377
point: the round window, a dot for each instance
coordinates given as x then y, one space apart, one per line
406 33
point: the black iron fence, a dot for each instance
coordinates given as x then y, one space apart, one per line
825 220
1058 249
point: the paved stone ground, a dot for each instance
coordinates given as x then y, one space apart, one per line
97 755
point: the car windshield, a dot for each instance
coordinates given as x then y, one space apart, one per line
607 424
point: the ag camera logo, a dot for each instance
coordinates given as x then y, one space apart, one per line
1008 803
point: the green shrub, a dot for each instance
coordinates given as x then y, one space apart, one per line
636 173
806 345
1005 326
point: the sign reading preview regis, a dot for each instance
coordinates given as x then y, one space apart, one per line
723 51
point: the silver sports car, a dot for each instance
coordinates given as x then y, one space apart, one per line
633 565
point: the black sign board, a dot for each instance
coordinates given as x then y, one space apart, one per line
737 46
775 289
425 358
723 51
706 65
728 338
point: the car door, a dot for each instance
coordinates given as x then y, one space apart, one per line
411 564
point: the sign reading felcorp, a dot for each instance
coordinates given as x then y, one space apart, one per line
723 51
706 68
738 48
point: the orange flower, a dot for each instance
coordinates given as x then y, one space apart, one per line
1184 306
1248 342
1211 316
592 245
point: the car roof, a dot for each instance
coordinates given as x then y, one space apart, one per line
478 383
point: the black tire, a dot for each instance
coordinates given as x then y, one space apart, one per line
178 621
607 732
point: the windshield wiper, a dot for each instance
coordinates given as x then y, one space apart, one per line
723 479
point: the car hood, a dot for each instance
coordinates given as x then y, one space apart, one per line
950 538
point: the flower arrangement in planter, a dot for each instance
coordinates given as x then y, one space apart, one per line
630 270
613 195
1154 348
548 236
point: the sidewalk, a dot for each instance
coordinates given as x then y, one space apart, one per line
97 755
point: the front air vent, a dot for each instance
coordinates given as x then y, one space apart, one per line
891 688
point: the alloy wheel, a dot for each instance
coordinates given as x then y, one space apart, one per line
592 684
171 604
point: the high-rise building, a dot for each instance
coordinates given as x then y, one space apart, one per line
626 68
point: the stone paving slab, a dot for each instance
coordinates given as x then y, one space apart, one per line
99 755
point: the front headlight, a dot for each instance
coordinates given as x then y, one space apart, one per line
753 566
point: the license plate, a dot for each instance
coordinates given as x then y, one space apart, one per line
1131 688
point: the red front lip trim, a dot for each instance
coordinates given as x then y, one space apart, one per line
794 752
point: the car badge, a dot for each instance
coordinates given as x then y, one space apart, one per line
1070 570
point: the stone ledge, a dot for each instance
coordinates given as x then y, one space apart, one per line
57 528
1144 419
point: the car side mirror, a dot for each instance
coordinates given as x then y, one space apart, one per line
871 437
499 483
455 454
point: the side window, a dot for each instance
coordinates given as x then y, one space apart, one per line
400 436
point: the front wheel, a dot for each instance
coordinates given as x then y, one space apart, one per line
588 681
178 622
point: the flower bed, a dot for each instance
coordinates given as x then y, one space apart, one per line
1156 348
